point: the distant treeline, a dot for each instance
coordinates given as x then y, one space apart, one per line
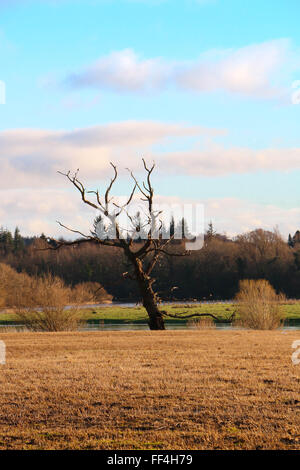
211 273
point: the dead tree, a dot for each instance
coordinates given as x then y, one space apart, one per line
141 257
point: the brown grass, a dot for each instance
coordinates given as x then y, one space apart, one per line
150 390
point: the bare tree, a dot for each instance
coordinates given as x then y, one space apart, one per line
141 257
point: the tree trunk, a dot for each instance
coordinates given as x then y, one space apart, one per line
156 321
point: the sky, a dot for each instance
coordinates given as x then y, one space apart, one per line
208 89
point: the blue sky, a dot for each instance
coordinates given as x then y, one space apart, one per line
202 87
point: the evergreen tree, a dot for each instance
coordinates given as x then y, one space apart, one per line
210 233
18 241
290 241
137 223
172 226
102 230
182 229
6 241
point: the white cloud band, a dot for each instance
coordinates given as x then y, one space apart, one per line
250 70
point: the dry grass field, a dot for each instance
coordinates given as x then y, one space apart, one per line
202 389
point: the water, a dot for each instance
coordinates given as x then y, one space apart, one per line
144 326
169 326
184 303
101 326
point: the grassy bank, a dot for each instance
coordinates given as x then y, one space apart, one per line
112 314
150 390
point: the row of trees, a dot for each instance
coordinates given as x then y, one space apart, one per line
212 273
11 243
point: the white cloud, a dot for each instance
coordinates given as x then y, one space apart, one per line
249 70
36 211
31 195
234 216
253 70
31 190
32 157
217 160
122 71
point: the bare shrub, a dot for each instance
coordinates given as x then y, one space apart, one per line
90 292
12 284
202 323
10 329
41 305
258 305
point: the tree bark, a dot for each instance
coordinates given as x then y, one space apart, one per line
156 321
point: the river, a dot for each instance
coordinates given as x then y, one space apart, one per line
101 326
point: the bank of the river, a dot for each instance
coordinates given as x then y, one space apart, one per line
124 314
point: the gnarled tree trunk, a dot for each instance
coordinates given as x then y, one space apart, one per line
156 321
